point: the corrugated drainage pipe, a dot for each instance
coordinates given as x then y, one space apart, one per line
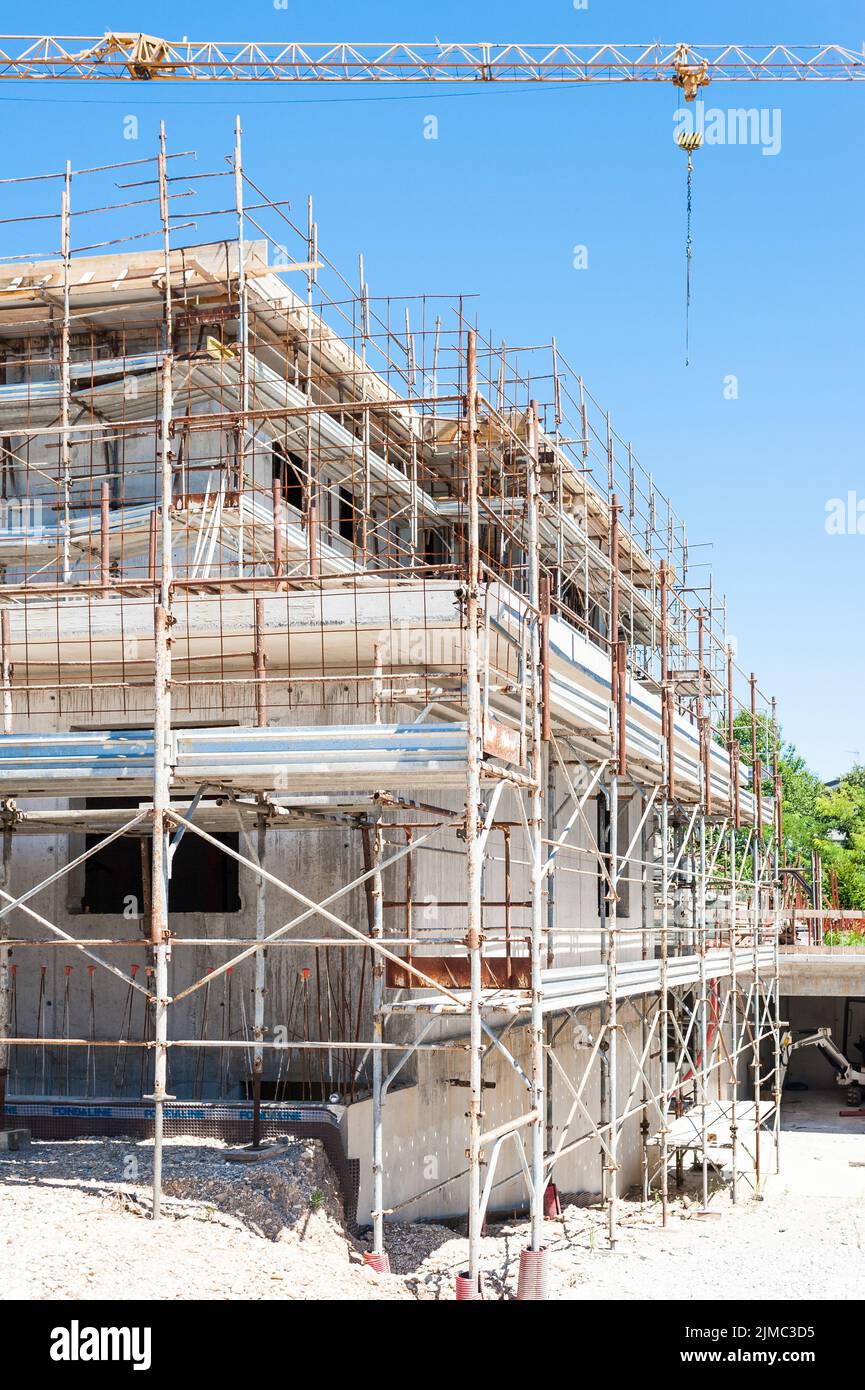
534 1268
466 1290
379 1261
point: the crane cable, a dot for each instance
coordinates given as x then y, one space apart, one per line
689 141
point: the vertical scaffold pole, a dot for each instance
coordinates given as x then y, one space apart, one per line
755 854
536 796
734 1018
550 820
366 509
551 824
259 991
665 1007
162 716
647 944
65 334
603 1055
474 855
776 1023
260 985
667 754
311 478
776 923
613 1015
377 900
243 339
704 1012
5 974
613 870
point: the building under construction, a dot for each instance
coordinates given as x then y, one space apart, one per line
370 754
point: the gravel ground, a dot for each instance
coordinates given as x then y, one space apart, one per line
73 1218
804 1238
74 1224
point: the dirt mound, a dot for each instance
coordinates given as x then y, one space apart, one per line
276 1197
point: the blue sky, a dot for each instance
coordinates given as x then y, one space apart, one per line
495 206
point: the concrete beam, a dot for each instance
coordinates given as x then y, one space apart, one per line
805 971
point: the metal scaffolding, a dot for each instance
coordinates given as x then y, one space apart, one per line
288 568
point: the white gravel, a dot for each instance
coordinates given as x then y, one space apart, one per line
74 1224
805 1238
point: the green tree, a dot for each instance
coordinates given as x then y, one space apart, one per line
831 821
840 836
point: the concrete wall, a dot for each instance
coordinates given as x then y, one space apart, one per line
425 1126
833 971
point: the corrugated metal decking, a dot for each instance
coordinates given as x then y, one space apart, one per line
348 757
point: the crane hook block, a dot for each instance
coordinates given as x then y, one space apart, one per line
689 140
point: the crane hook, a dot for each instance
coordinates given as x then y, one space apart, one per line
689 141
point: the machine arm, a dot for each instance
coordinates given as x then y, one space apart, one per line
846 1073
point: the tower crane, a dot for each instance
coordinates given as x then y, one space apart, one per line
116 56
145 58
